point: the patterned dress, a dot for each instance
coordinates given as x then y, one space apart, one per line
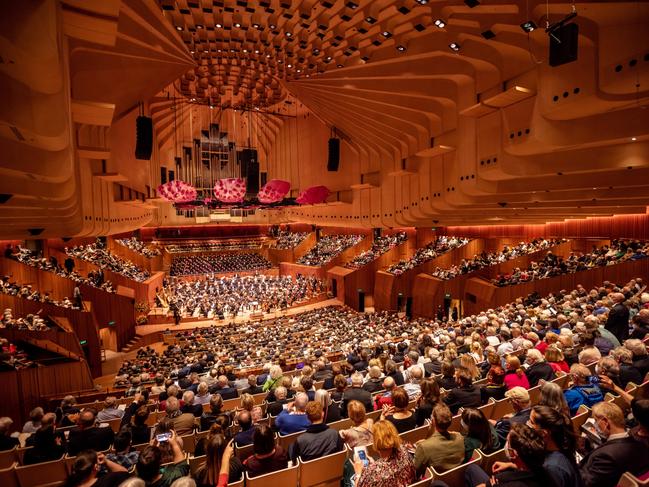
396 471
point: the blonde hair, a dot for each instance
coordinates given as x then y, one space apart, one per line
513 363
610 411
553 354
386 436
247 401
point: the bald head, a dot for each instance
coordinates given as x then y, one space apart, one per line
388 383
617 297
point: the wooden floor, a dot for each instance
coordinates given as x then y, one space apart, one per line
114 359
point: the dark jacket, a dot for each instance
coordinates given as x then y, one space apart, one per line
629 373
373 385
333 413
433 367
642 364
504 425
604 466
466 397
226 392
521 478
317 441
274 408
195 409
618 321
94 438
356 394
538 371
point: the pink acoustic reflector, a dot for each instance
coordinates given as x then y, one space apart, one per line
177 191
313 195
230 190
273 191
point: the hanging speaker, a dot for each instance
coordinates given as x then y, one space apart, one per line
334 155
144 138
564 45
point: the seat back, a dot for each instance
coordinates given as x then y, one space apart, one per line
343 424
583 413
8 457
20 454
323 472
489 459
286 441
196 462
238 483
114 424
189 444
455 476
243 452
561 379
535 395
423 482
416 434
54 472
630 480
501 408
287 476
8 476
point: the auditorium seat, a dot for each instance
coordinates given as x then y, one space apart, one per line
630 480
488 459
583 413
243 452
455 476
8 476
32 475
286 440
287 476
324 471
8 457
196 462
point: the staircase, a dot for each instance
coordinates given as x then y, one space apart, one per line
133 344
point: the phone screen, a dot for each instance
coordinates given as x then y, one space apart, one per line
363 457
163 437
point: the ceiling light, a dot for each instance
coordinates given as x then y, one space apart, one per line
199 26
454 46
256 51
272 26
370 20
218 26
352 5
488 34
328 59
179 27
288 34
245 50
299 70
471 3
422 2
192 52
440 23
528 26
205 51
633 139
386 34
401 48
340 65
255 26
289 65
237 25
267 55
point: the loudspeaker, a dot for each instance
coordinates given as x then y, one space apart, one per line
361 301
35 231
250 169
334 155
144 138
564 44
409 307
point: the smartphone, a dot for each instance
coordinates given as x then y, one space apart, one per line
361 453
162 437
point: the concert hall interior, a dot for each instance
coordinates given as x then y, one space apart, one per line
324 243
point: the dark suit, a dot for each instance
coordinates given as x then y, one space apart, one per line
642 364
538 371
195 409
466 397
618 322
226 392
356 394
604 466
276 407
94 438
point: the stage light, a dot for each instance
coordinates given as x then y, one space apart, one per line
440 23
528 26
386 34
179 27
422 2
218 26
370 20
401 48
454 46
237 25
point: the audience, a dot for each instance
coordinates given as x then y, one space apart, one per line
442 450
268 456
147 250
439 246
188 265
328 247
318 440
289 240
379 247
27 292
100 256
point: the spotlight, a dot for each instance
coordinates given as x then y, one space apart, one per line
401 48
218 26
528 26
370 20
440 23
471 3
386 34
352 5
179 27
199 26
422 2
237 25
454 46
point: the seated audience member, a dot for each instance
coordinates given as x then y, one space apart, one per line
360 434
412 387
640 357
318 440
628 372
150 459
140 430
589 352
619 453
391 370
447 381
552 396
166 425
340 384
268 456
223 388
248 404
202 395
495 387
430 396
34 423
294 418
465 395
373 383
526 451
67 413
356 393
398 413
122 453
385 397
277 406
209 418
47 444
208 473
537 368
433 366
244 437
514 374
393 468
560 445
183 422
480 433
331 410
554 357
442 450
88 435
85 470
583 390
110 411
520 400
6 442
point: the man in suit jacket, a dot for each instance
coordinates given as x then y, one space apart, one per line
277 406
442 450
618 318
621 453
223 388
183 422
88 436
356 393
